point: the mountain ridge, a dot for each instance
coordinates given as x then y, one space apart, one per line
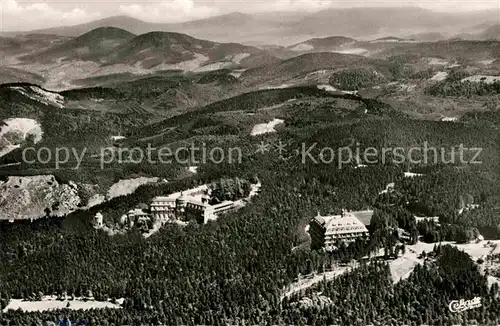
91 45
111 45
291 29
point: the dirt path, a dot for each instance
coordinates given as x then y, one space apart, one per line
312 279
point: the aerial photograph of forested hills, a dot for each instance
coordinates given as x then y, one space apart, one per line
196 162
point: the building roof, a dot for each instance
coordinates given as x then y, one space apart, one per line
320 220
338 224
220 206
364 217
223 204
182 197
163 198
196 202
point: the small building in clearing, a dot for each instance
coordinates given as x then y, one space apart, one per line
135 216
98 220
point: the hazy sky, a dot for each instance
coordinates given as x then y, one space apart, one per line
33 14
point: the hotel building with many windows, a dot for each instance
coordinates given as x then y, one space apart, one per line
328 231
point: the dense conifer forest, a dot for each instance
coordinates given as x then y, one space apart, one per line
234 270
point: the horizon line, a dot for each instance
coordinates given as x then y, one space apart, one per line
253 14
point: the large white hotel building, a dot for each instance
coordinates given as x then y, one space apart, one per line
327 231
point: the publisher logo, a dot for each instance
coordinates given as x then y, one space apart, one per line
463 305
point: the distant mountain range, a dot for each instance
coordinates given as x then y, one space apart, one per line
112 45
287 28
60 61
233 27
67 57
323 44
26 43
89 46
301 67
491 33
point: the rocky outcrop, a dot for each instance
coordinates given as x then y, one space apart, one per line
36 196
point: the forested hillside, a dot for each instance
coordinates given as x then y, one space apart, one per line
317 134
234 270
367 295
